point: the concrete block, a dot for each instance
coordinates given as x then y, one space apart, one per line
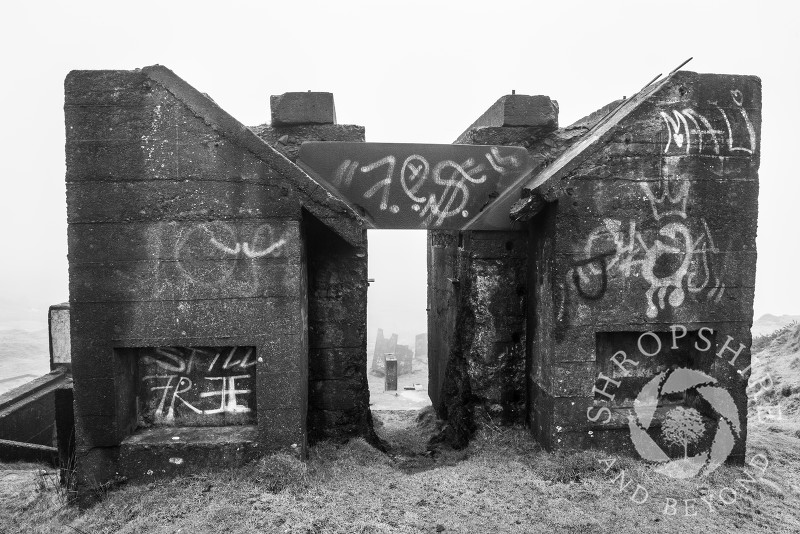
60 354
391 374
520 110
155 453
303 108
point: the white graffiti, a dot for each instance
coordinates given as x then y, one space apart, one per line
177 389
227 393
205 241
453 179
674 262
694 133
246 250
175 362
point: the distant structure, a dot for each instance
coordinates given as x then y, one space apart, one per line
421 347
401 353
36 418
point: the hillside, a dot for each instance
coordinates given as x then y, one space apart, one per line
768 323
780 361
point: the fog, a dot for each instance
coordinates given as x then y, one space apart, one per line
397 299
408 71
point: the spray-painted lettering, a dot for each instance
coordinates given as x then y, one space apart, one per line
196 386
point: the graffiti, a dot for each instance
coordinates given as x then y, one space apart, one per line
600 260
198 386
454 178
427 186
199 249
694 133
675 262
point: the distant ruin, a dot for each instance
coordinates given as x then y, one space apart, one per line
218 273
384 347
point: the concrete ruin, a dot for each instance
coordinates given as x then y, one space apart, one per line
218 273
388 347
36 418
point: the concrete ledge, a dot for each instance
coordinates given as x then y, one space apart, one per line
17 451
50 381
156 452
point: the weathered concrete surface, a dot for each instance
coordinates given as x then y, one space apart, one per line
405 359
477 289
165 452
287 139
390 371
655 225
28 413
185 230
302 108
337 320
337 310
58 323
484 366
36 420
18 451
519 110
443 298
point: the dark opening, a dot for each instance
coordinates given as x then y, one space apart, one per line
658 355
195 386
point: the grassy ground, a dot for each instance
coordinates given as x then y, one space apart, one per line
502 483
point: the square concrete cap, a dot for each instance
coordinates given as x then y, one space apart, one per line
302 108
521 110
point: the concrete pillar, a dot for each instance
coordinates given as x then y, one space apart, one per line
391 373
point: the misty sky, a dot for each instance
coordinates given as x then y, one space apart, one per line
408 71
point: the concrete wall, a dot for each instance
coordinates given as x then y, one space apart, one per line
27 413
476 352
185 230
337 358
655 228
36 420
477 290
337 277
443 298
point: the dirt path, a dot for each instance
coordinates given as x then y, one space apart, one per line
407 433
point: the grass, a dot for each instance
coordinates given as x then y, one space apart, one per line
762 342
503 482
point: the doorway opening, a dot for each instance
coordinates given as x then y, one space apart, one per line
397 321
